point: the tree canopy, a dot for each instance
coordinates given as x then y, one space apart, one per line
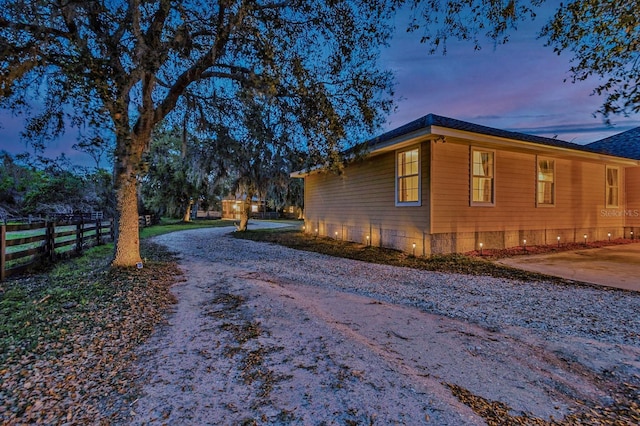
181 171
468 20
604 38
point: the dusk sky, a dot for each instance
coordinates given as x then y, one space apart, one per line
518 86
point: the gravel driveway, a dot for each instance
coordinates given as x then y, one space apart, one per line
263 334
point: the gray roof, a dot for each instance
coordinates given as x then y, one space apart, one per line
451 123
625 144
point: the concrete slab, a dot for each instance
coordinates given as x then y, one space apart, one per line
613 266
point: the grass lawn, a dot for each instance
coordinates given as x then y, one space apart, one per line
167 226
81 318
31 305
72 271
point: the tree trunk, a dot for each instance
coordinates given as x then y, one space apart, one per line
129 149
187 212
127 246
245 213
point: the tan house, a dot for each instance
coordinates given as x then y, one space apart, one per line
440 185
232 207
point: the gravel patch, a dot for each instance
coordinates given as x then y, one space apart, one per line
550 309
264 334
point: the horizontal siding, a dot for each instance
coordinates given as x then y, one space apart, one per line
361 201
580 194
632 211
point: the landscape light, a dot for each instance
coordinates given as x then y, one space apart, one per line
524 245
481 249
585 238
558 240
609 235
414 249
336 235
632 235
367 240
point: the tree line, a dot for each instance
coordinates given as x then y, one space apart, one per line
180 171
39 187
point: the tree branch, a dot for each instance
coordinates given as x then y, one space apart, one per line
206 61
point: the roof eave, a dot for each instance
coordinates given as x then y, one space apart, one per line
513 143
401 141
434 131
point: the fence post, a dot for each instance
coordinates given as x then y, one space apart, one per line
3 249
50 242
112 230
79 235
98 232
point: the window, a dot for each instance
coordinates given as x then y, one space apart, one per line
408 177
482 169
612 185
546 183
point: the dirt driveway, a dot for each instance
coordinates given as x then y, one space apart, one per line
264 334
613 266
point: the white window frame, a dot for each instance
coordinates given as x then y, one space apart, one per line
607 186
472 175
553 182
418 202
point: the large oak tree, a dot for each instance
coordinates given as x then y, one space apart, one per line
127 65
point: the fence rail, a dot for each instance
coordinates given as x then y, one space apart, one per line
23 245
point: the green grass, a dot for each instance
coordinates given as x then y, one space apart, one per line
453 263
71 333
31 305
35 309
167 226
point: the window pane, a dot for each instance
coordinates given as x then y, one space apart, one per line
482 190
408 189
408 163
412 164
612 177
401 163
478 170
612 197
545 170
545 192
482 163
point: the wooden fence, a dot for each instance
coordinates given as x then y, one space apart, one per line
23 245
